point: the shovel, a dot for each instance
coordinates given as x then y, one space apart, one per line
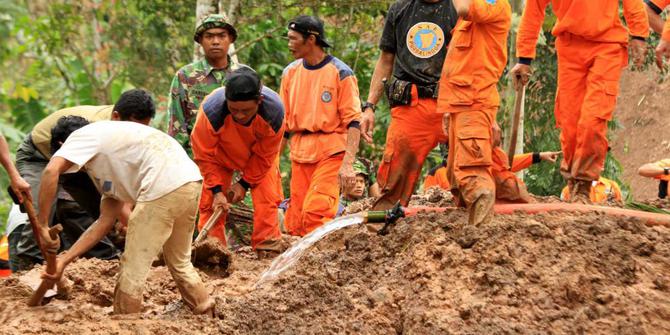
49 257
518 109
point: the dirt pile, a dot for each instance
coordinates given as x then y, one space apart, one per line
432 274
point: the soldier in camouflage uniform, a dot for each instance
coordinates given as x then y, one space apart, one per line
196 80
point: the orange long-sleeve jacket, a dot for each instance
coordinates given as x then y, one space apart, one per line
601 191
476 58
437 176
321 102
595 20
221 143
658 6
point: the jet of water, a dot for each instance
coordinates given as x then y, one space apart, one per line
293 254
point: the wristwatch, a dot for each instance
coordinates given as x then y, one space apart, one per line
666 171
370 105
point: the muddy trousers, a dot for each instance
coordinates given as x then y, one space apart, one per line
265 197
469 166
315 190
166 223
588 84
414 131
509 188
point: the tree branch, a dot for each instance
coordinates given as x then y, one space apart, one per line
267 34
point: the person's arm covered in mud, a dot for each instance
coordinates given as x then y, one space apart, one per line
110 210
349 109
526 40
17 183
47 196
383 71
654 15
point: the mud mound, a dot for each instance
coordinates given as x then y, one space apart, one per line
212 254
433 274
434 197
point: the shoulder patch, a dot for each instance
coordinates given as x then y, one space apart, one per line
291 66
491 2
272 109
215 108
342 69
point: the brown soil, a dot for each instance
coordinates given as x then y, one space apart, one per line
643 110
433 274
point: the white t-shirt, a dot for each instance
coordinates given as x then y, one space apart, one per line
129 161
15 219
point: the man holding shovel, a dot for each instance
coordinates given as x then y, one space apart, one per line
470 100
130 163
592 47
240 128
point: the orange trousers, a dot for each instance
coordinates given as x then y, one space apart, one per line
509 188
414 131
588 84
265 197
469 166
315 192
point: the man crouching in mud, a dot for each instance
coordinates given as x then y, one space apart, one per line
130 163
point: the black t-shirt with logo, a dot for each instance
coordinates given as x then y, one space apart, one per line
418 33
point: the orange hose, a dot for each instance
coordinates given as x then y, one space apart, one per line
651 219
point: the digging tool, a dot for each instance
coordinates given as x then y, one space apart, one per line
518 109
210 223
49 257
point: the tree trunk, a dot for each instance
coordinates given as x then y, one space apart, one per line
202 9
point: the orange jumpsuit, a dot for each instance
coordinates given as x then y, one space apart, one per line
664 180
508 186
222 146
658 6
591 43
468 93
321 102
601 191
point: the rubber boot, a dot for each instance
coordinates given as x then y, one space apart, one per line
271 248
196 297
581 192
481 210
125 303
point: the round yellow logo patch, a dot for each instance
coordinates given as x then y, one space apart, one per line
425 39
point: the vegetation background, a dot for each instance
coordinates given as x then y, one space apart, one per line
56 54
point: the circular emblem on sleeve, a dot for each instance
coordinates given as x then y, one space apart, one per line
425 39
326 96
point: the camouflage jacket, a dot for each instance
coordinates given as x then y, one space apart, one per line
189 87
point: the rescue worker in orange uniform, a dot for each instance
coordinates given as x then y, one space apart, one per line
469 96
602 191
592 48
323 113
413 47
437 176
239 128
654 10
659 170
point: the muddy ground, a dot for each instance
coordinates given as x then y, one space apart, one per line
523 274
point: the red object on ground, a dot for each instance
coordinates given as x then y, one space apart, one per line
650 219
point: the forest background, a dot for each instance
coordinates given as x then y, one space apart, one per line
57 54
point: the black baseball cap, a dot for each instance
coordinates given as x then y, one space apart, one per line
243 84
310 25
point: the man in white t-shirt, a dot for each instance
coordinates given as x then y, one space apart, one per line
136 164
